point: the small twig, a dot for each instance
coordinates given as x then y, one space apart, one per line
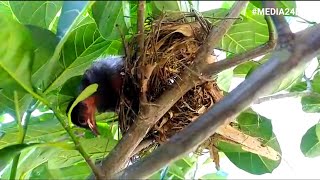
140 23
308 82
285 95
219 66
144 144
125 44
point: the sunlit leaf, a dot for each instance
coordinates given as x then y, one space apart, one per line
69 13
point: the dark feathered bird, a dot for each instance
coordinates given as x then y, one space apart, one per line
107 74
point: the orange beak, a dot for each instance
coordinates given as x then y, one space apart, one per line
90 114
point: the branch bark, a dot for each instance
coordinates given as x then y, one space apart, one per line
295 53
286 95
119 156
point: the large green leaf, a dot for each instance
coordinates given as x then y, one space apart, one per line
95 147
44 44
9 152
310 142
164 6
30 160
43 128
250 162
15 55
16 58
38 13
82 47
108 15
76 171
246 33
255 124
5 8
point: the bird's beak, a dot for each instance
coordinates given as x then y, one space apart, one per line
90 115
92 125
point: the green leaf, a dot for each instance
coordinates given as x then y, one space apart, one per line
299 86
246 33
310 104
69 13
41 129
68 92
7 101
250 162
88 91
82 47
95 147
15 55
279 4
44 44
315 83
9 152
310 142
243 69
108 15
76 171
38 13
224 79
5 9
30 160
164 6
255 124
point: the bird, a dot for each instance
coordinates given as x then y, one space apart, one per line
107 72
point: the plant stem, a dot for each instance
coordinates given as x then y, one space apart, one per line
22 130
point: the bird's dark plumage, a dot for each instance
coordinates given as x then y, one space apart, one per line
107 74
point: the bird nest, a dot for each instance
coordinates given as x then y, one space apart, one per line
170 48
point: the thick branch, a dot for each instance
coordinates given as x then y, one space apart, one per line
118 157
259 83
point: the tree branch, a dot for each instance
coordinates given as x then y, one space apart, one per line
286 95
118 157
306 46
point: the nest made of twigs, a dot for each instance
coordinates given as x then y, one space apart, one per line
170 48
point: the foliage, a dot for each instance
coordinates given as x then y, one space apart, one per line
48 45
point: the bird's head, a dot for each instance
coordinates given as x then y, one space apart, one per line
83 114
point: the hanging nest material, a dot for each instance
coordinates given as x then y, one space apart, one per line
170 48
